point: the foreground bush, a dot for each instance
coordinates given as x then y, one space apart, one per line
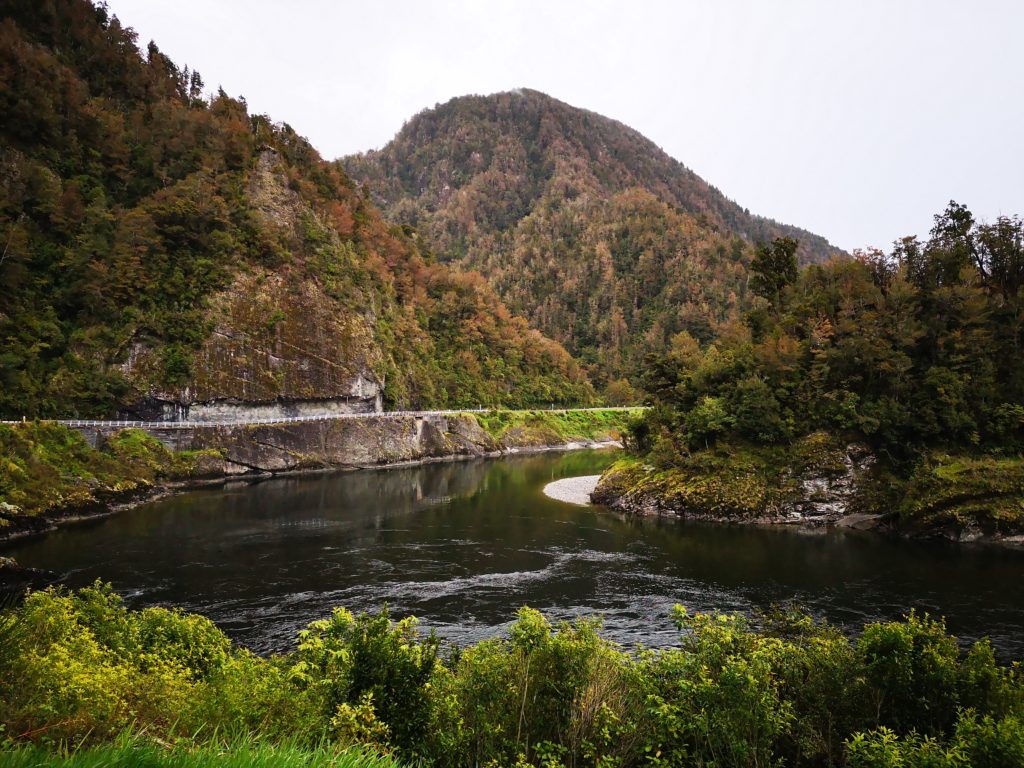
78 668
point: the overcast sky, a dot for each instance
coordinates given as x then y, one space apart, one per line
857 120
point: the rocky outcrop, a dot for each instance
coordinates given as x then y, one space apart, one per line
817 492
342 442
826 495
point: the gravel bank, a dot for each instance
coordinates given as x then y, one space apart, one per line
572 490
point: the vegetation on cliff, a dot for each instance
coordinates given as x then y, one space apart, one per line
78 669
48 467
545 427
156 243
915 354
581 223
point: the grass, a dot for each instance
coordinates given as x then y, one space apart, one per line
543 427
133 752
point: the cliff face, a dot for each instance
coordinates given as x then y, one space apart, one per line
374 441
280 343
344 443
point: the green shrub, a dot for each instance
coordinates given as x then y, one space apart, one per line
716 701
364 669
977 743
555 696
79 668
911 669
85 668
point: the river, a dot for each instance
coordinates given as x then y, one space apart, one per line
462 545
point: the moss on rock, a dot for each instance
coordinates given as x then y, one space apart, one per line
965 495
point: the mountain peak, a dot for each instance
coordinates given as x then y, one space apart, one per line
541 135
582 223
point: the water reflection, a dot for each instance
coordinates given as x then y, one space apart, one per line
462 545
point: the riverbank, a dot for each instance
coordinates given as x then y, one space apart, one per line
573 490
818 483
51 475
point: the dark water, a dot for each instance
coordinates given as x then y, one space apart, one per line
463 545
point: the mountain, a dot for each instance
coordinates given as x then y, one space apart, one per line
582 224
164 251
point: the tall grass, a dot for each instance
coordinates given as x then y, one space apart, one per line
131 752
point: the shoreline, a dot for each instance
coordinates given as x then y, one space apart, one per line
646 508
27 526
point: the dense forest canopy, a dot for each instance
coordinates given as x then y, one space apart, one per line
577 220
156 242
918 348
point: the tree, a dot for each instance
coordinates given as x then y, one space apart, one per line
620 392
774 267
705 422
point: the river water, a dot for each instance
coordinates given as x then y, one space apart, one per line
462 545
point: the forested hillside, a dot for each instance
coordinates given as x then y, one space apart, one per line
162 246
579 222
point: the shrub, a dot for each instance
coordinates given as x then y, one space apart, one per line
912 669
357 663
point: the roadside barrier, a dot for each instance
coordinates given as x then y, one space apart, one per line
127 424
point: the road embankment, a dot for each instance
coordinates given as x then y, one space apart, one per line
52 473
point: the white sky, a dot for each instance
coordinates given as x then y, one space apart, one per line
857 120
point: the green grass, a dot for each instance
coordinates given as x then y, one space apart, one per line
131 752
543 427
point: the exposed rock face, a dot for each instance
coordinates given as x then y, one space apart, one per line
227 411
343 442
825 494
335 443
281 345
276 202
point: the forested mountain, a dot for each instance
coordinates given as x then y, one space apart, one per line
160 245
581 223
